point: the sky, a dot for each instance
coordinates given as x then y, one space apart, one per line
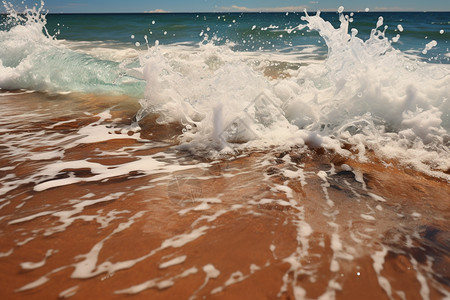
104 6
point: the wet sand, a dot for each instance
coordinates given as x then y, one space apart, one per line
135 217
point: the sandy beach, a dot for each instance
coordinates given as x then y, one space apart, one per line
122 213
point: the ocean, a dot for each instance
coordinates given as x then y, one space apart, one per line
224 155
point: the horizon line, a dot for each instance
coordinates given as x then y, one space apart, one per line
242 12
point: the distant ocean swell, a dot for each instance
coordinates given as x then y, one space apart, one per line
366 95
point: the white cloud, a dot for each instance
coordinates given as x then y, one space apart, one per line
263 9
394 8
158 10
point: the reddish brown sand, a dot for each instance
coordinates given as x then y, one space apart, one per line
328 238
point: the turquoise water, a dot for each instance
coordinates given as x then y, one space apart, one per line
255 34
251 31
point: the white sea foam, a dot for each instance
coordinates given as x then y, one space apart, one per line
172 262
31 58
31 217
7 253
40 281
376 197
378 261
429 46
69 292
155 283
211 271
35 265
399 108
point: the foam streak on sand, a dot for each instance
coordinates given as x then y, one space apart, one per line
94 132
31 265
292 213
378 261
175 261
88 267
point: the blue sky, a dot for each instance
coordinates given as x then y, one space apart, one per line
57 6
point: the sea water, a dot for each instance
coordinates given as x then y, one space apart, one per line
238 80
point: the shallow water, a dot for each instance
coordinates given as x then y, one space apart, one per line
226 156
298 83
123 214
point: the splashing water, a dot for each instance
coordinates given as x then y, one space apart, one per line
31 58
366 95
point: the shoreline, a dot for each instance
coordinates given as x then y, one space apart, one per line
266 225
